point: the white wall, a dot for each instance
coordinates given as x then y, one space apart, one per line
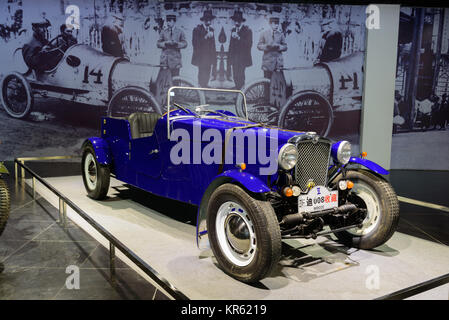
379 86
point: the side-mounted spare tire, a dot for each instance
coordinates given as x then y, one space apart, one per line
374 193
5 204
244 233
96 177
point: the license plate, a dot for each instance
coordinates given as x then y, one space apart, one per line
318 198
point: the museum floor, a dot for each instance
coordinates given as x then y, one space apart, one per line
35 250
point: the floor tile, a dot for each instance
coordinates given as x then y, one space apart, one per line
51 254
39 210
433 223
99 258
71 232
406 227
24 230
31 283
96 284
8 247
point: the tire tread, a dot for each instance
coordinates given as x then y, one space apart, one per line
389 198
271 244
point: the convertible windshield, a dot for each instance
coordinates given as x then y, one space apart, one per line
208 101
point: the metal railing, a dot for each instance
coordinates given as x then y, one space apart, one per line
416 289
113 241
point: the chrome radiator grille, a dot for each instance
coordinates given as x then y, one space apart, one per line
313 163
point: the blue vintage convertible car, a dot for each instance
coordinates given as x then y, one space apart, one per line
254 185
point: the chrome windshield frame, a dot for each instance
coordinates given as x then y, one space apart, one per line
199 89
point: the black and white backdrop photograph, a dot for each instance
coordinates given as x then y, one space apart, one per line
421 111
67 63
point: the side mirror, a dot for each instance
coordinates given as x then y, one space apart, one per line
73 61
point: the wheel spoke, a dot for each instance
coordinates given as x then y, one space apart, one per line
308 114
15 95
130 103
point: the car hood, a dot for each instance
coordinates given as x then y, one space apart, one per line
224 124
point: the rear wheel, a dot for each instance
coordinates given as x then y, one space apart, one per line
307 111
4 205
243 232
376 195
16 95
188 98
258 103
96 177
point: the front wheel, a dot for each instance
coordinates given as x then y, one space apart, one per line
243 232
16 95
5 205
377 196
96 177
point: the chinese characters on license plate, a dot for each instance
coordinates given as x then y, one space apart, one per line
318 198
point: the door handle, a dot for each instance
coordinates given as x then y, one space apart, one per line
154 151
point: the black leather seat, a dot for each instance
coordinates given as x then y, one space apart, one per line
142 124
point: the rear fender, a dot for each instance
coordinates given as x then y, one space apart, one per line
101 148
246 180
369 164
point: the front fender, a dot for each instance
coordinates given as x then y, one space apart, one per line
369 164
245 179
102 153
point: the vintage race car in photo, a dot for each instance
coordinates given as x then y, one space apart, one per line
309 98
244 211
86 75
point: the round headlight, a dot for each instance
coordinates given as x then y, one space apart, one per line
288 155
344 152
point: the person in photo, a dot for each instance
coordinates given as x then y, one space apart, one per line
172 39
110 36
272 43
204 54
239 53
65 39
331 43
35 52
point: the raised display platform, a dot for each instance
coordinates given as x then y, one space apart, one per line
309 269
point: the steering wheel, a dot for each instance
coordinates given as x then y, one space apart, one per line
57 48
